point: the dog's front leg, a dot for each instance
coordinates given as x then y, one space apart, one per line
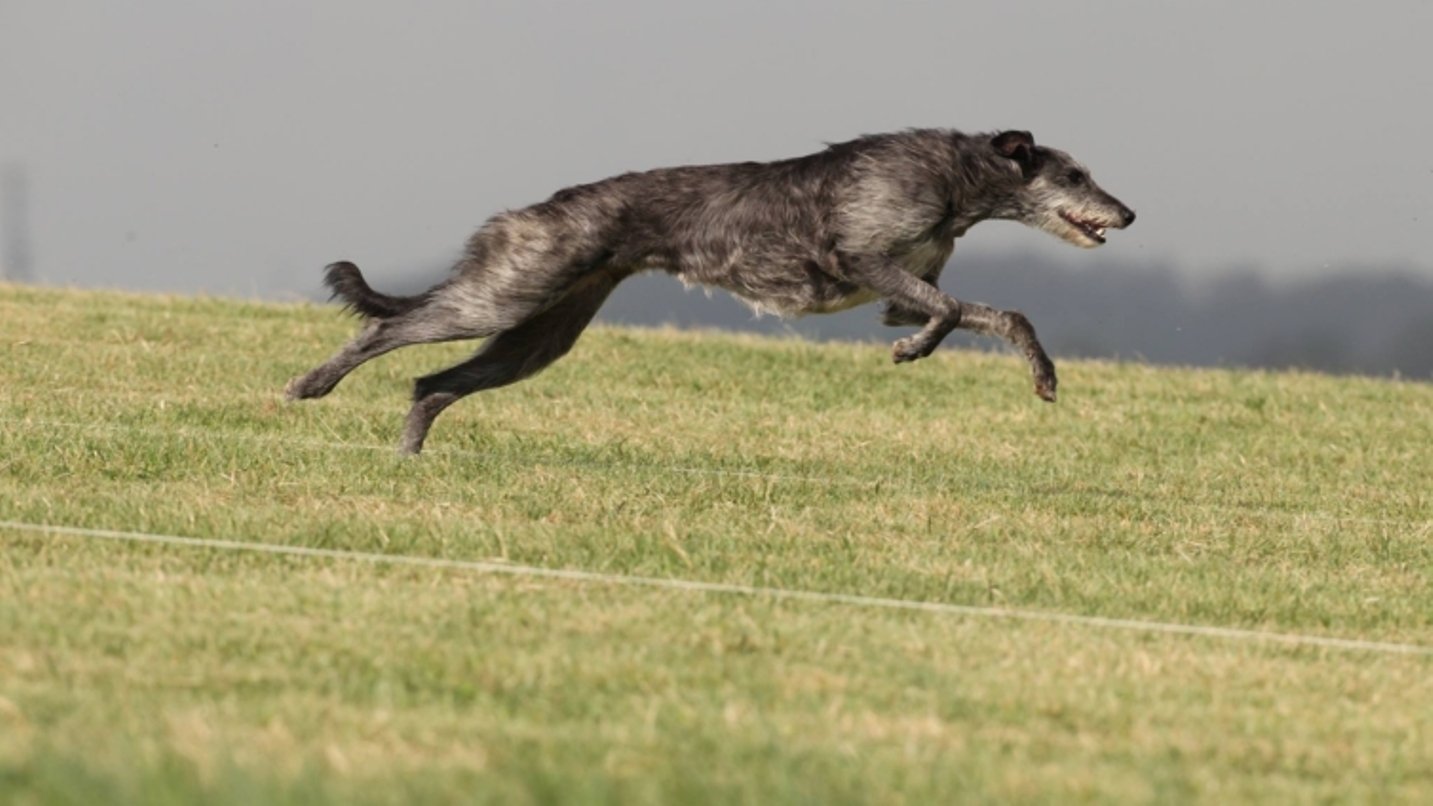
901 288
906 292
1015 328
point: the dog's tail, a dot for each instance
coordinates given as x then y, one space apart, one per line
347 283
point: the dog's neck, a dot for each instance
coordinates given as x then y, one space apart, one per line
997 178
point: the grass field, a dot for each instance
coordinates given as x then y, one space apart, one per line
137 673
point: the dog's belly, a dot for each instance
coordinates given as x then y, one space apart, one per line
860 296
786 288
799 301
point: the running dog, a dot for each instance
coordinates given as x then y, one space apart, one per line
872 218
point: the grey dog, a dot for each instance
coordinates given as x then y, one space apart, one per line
872 218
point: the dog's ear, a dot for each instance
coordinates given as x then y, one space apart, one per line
1018 146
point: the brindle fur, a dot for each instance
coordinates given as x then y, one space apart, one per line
872 218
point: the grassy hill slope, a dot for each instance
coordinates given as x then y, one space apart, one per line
130 672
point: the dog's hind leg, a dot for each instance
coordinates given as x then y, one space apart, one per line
510 276
507 357
420 326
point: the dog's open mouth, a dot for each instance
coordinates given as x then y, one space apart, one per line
1091 229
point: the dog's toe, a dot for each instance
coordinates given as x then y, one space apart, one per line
294 389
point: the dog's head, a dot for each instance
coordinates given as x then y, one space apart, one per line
1057 193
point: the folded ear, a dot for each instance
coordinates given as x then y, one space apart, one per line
1018 146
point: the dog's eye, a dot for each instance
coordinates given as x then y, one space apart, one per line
1075 176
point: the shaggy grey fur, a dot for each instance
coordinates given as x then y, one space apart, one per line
873 218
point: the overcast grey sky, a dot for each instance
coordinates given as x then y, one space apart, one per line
237 146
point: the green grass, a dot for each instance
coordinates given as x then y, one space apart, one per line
133 673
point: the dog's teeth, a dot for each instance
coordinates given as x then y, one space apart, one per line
1100 231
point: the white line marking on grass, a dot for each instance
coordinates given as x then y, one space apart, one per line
1228 633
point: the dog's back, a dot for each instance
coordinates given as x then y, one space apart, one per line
766 231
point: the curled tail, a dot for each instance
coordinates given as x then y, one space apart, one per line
347 283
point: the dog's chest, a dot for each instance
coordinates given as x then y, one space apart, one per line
928 256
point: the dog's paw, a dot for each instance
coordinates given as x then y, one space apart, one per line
1045 387
908 349
301 388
